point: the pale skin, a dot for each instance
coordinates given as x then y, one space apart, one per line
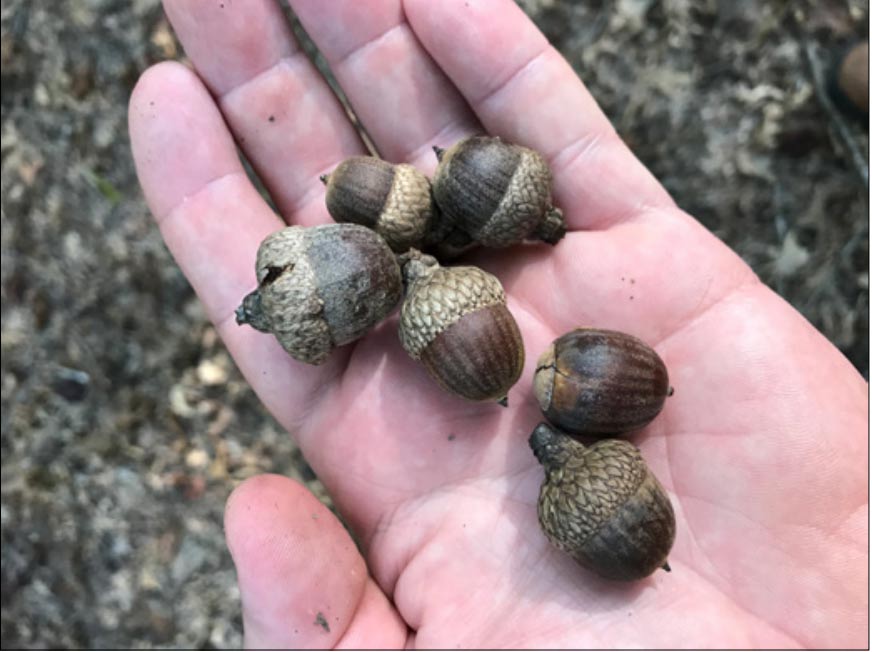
762 449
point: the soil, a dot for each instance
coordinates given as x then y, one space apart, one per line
125 425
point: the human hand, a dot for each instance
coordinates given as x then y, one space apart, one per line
762 448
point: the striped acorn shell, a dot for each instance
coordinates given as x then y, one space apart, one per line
600 383
393 200
602 505
455 321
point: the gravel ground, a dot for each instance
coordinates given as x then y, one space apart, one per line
124 423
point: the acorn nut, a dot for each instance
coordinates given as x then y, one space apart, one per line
321 287
600 383
393 200
455 321
495 194
602 505
852 80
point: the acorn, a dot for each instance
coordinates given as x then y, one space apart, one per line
321 287
849 81
495 194
600 383
393 200
602 505
455 321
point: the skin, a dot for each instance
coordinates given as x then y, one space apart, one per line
762 449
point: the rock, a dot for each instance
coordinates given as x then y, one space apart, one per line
71 384
189 558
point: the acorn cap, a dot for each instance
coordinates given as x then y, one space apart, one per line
448 294
289 297
394 200
321 287
524 204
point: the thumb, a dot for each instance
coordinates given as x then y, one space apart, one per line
302 581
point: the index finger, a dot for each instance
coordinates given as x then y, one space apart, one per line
213 220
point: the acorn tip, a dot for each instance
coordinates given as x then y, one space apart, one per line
241 316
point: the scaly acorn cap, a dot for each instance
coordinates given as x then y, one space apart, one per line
321 287
393 200
602 505
496 192
455 320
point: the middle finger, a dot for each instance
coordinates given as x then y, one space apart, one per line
401 96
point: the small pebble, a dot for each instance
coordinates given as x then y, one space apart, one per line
71 384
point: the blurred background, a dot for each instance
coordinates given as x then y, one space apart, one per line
124 423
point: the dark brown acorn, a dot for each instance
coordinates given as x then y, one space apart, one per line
600 383
321 287
853 77
393 200
455 321
495 194
602 505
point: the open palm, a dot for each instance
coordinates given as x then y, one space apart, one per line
762 448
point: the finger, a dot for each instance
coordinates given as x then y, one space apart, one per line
522 89
213 221
278 106
210 215
400 95
302 581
